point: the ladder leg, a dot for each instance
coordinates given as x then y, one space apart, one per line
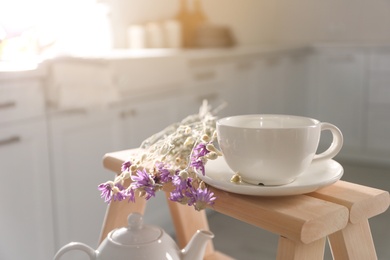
187 221
353 242
294 250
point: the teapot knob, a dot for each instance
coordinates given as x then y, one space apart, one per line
136 232
135 221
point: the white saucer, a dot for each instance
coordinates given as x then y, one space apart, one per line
318 175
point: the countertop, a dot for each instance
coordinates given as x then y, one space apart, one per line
21 70
17 70
187 53
38 67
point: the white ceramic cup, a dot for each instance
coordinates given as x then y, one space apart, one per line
273 149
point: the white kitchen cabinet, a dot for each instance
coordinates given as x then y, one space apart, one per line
242 88
21 99
26 219
79 83
282 86
208 80
141 119
78 140
338 95
148 74
272 83
192 99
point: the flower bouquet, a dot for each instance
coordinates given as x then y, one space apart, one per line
175 155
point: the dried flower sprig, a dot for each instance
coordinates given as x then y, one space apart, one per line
174 155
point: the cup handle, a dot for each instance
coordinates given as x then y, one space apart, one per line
336 145
76 246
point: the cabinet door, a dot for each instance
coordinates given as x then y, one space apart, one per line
141 120
79 139
274 84
26 201
190 102
21 99
378 130
339 94
242 89
271 85
80 83
209 80
378 123
295 86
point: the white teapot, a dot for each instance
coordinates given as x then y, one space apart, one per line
137 241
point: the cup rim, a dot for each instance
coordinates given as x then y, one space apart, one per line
311 121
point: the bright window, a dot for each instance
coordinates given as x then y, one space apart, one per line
35 27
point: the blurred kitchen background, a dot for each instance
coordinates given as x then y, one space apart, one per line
80 78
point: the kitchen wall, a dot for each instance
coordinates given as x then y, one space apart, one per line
357 21
267 22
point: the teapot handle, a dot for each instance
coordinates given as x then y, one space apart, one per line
76 246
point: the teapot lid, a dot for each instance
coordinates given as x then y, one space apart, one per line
135 233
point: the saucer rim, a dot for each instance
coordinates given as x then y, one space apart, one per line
333 168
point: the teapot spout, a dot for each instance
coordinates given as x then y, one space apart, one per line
195 249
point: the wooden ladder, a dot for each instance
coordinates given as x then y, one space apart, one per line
339 212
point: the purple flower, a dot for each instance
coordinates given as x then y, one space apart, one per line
117 193
200 198
109 192
198 165
126 166
199 151
164 172
141 179
129 193
181 183
197 161
106 191
150 192
177 196
144 182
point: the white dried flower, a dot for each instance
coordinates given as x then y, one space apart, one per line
183 174
212 155
206 138
189 141
236 178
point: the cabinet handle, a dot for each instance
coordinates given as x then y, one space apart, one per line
207 75
10 140
347 58
74 111
7 104
128 113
